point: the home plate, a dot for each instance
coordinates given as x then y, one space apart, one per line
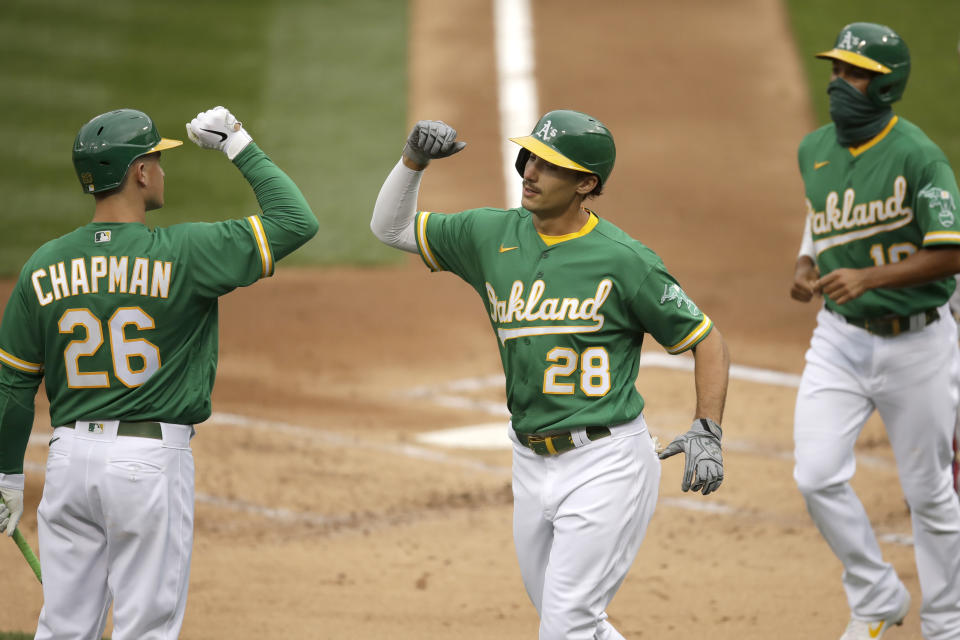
491 435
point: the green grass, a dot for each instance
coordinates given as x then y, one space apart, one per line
929 27
321 86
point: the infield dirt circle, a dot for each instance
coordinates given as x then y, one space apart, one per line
320 515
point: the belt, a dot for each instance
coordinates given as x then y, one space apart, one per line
135 429
890 326
557 443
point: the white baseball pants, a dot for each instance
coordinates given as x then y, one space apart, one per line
911 380
116 524
578 521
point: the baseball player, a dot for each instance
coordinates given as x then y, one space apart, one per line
882 243
121 322
569 297
954 304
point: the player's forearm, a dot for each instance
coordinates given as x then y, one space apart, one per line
711 373
287 218
926 265
393 214
17 391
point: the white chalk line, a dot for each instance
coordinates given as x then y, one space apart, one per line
516 85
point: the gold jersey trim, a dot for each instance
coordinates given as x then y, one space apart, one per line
13 361
941 237
425 250
522 332
584 230
855 151
263 246
693 337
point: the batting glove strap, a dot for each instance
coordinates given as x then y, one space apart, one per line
217 128
11 481
710 427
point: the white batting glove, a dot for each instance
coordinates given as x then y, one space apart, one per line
431 139
11 508
703 468
217 128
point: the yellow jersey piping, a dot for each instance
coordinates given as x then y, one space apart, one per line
855 151
22 365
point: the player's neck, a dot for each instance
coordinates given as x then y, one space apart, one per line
563 223
120 207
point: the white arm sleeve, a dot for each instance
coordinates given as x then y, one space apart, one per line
396 208
806 243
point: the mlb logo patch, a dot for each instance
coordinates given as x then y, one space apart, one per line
100 237
95 427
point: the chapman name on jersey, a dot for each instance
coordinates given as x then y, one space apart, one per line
102 274
518 309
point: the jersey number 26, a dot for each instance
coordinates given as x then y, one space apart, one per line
121 349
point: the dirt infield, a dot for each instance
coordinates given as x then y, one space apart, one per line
320 515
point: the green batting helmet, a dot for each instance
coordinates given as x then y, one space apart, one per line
876 48
107 145
570 139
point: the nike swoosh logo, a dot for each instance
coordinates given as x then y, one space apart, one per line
222 135
52 440
817 165
504 249
875 632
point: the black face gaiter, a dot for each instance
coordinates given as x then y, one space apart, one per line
857 118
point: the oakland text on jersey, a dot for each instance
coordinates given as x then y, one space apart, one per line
865 214
533 308
102 274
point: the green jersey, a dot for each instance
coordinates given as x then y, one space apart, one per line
569 312
877 204
121 320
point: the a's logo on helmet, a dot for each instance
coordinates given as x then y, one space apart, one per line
546 131
849 41
86 178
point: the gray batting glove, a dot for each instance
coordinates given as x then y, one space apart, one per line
11 508
704 461
431 139
217 128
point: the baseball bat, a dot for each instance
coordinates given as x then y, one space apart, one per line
28 553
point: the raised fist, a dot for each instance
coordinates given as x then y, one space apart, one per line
217 128
431 139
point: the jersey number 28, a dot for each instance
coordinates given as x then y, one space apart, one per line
594 371
121 349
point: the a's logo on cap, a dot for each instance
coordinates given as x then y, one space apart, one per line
849 41
101 236
546 131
